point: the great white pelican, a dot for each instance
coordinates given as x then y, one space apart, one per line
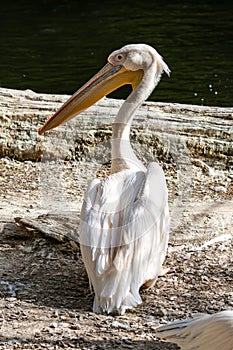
124 223
202 332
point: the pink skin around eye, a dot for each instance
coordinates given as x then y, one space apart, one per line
116 59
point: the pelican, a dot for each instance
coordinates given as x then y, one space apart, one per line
124 221
203 332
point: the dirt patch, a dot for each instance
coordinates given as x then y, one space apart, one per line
45 298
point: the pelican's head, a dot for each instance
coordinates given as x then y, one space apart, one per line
125 66
136 57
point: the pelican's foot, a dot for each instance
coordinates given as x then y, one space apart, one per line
148 284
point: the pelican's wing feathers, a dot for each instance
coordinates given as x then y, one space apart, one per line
124 235
205 332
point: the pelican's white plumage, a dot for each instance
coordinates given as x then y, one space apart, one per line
202 332
126 225
124 219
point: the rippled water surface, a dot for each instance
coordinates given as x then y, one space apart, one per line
55 46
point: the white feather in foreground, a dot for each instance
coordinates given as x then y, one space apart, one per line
203 332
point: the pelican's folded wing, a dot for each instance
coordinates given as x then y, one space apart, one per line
123 235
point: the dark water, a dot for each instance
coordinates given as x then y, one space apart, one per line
55 46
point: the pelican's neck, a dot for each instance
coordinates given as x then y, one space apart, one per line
123 156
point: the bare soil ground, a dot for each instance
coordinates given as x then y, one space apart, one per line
45 298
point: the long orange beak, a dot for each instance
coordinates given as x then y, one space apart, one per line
108 79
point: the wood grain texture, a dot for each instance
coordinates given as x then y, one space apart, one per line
206 132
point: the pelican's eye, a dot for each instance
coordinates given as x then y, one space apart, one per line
119 57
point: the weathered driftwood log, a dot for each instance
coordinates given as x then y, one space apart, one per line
58 227
205 132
